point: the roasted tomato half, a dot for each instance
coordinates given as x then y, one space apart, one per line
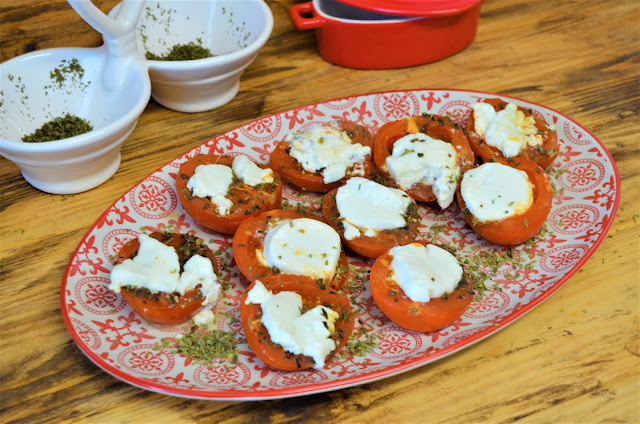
257 334
247 200
516 229
248 244
166 308
416 316
292 171
383 240
435 126
542 154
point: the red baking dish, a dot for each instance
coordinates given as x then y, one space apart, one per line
375 35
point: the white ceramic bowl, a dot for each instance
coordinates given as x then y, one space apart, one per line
233 30
30 97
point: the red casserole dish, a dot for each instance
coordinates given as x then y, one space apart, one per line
368 39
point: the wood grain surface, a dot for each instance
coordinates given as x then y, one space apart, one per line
574 359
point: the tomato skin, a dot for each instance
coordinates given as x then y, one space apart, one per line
438 127
543 156
250 237
247 201
516 229
292 172
258 337
372 247
415 316
164 308
160 310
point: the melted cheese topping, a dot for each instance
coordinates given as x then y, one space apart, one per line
302 246
213 180
424 272
156 267
250 173
368 207
328 151
307 334
509 130
494 191
418 158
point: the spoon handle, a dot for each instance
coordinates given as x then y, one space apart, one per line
125 21
118 33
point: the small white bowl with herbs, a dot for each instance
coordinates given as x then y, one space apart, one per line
59 123
196 51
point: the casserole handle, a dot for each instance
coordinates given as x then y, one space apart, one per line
297 12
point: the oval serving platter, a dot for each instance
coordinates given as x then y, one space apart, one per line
587 193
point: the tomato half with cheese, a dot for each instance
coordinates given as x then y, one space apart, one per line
340 325
242 199
498 130
169 308
290 242
425 155
424 305
506 201
322 155
371 217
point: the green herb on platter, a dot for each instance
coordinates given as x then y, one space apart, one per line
203 346
361 347
58 129
190 51
360 344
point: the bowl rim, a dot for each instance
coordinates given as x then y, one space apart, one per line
414 8
93 136
392 19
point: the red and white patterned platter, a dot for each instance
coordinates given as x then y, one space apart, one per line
120 342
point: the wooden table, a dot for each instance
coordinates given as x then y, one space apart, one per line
573 359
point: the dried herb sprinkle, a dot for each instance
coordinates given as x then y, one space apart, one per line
58 129
68 71
189 51
360 344
203 346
